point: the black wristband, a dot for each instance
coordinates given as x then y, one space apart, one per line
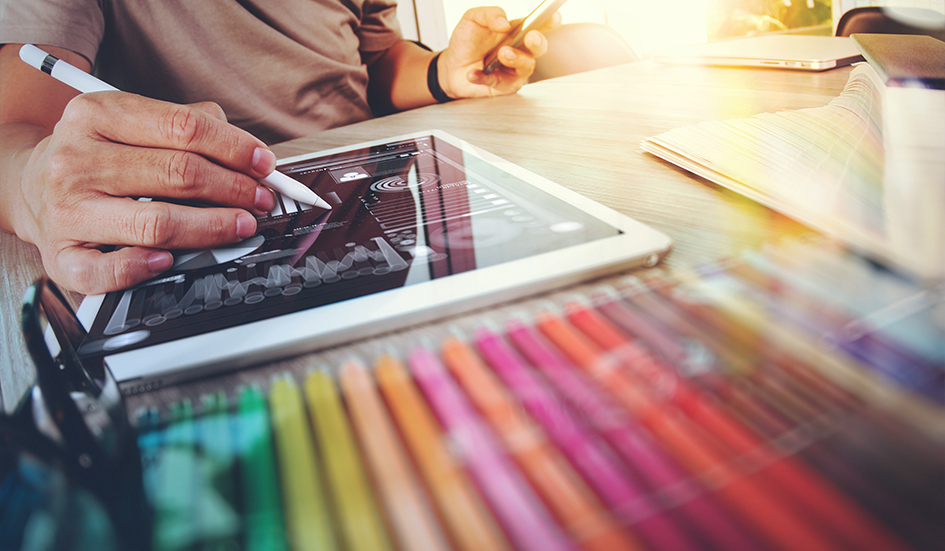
433 81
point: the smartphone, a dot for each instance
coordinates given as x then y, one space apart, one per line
535 20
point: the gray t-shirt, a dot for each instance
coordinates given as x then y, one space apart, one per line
279 68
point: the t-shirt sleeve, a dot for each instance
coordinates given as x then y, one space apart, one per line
379 28
76 25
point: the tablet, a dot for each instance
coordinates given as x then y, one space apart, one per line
774 51
422 226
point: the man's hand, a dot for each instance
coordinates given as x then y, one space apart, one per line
72 192
460 65
110 147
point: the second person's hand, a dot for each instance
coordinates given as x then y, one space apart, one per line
475 35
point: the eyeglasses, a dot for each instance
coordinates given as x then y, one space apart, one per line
71 430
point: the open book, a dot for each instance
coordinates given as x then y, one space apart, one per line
868 168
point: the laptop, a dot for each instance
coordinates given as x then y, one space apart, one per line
777 51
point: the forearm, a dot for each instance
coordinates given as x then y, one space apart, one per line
398 78
18 142
31 105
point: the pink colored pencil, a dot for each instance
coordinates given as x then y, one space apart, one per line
636 446
627 499
522 514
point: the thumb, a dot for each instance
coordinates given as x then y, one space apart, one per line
91 271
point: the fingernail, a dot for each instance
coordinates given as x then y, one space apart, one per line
264 199
160 261
264 161
509 54
245 225
503 22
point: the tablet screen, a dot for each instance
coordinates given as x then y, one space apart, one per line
404 213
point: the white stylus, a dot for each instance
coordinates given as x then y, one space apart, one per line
85 83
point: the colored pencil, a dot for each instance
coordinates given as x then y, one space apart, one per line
803 395
411 518
779 525
520 511
667 479
812 381
222 528
567 495
361 525
623 494
798 391
150 441
262 507
836 512
177 490
876 489
469 520
306 509
888 479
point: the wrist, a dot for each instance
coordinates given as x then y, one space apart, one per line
22 144
435 79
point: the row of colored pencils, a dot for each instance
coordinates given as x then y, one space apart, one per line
683 415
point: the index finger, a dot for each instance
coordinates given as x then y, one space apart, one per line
492 18
138 121
552 23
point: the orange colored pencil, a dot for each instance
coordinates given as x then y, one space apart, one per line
779 525
569 498
468 519
826 505
411 517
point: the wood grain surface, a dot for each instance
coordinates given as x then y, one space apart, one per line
581 131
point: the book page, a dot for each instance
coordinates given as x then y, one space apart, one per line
824 166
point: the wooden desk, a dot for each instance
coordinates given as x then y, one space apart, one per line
581 131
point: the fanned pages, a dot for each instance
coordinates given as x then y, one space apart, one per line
868 168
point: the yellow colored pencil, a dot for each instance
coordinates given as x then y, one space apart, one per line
468 519
306 510
412 520
361 526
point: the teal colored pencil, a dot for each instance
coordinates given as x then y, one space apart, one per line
149 444
219 517
175 494
265 527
